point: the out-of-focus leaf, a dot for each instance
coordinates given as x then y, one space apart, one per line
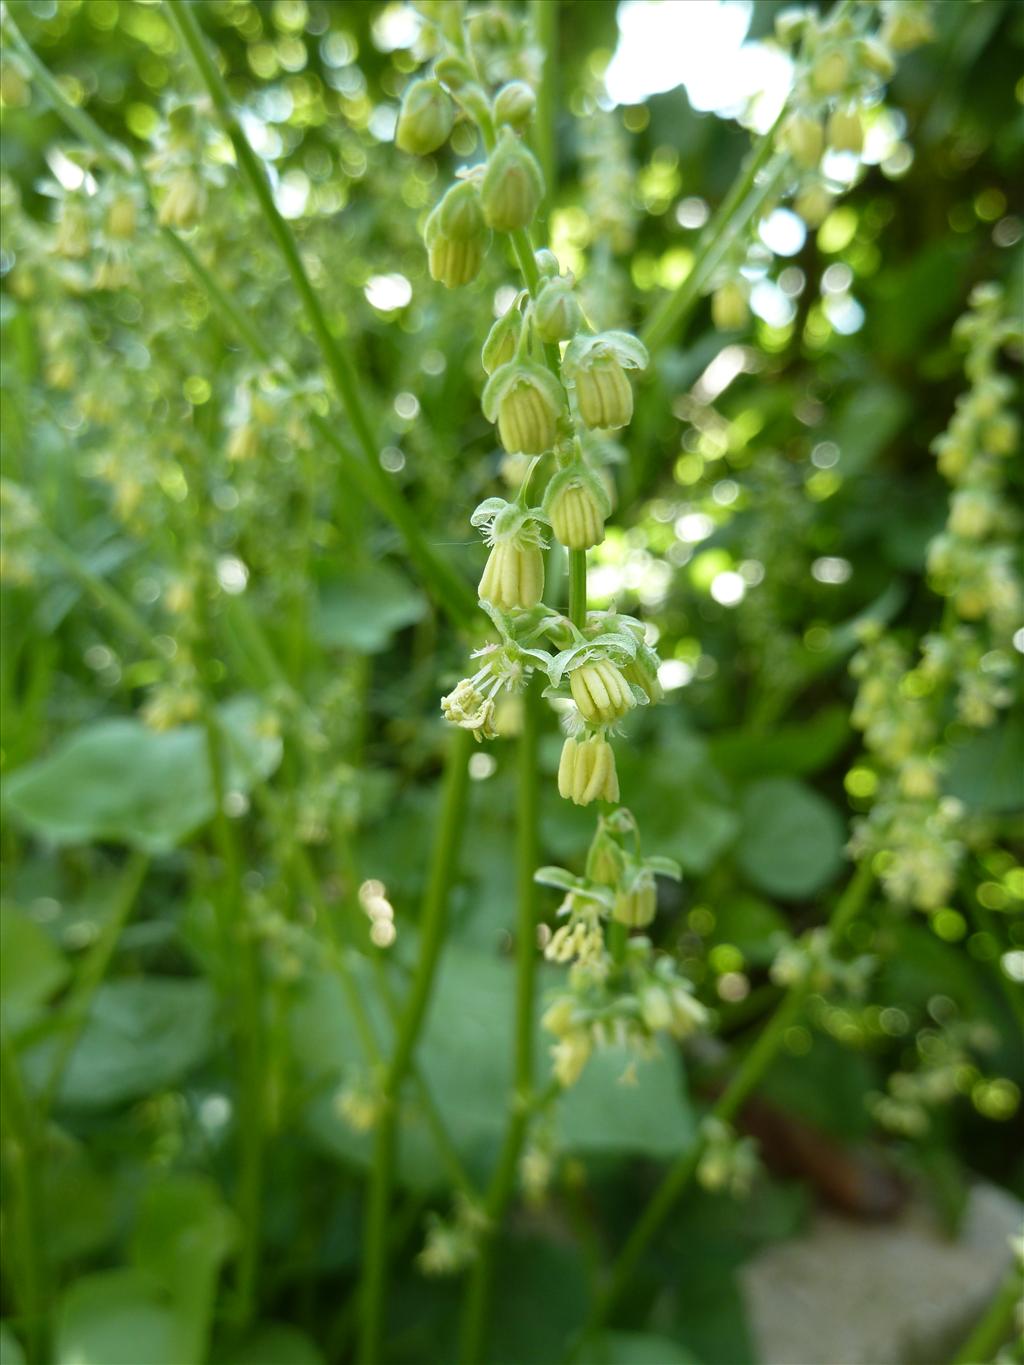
866 423
118 780
647 1113
987 772
141 1036
273 1343
183 1234
826 1086
365 608
32 967
791 841
549 1278
118 1317
10 1347
799 749
78 1202
640 1348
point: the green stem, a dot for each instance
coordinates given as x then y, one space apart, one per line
544 21
106 597
23 1149
432 933
996 1323
733 217
578 588
478 1290
91 973
450 588
754 1065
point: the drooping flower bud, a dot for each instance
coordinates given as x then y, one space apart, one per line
729 311
845 132
600 691
596 367
514 104
830 72
877 57
586 771
907 26
513 576
576 504
642 672
503 338
512 185
122 217
183 202
637 901
813 204
526 401
457 236
804 139
604 860
547 263
556 314
426 118
72 239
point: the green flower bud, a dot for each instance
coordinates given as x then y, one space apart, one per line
576 505
457 236
876 57
503 338
526 401
830 72
513 576
426 118
655 1007
514 104
604 394
789 25
813 204
454 72
600 691
556 314
72 238
642 672
547 263
729 311
804 139
604 861
596 367
845 132
586 771
636 903
122 217
512 185
184 201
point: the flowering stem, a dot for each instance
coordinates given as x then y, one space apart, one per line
578 588
478 1290
743 1083
432 932
347 383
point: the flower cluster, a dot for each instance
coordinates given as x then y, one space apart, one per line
915 831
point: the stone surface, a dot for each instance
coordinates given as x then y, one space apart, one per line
897 1293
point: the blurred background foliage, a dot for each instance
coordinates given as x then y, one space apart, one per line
185 538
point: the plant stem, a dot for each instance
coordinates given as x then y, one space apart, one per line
754 1065
996 1323
432 932
732 218
111 601
23 1145
476 1304
450 588
578 588
91 973
544 22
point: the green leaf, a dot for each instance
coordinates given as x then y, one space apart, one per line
141 1036
183 1234
32 967
602 1113
791 839
118 1317
868 420
825 1086
365 608
798 750
119 781
272 1343
987 772
549 1278
78 1202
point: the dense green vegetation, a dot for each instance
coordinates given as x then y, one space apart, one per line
301 1061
